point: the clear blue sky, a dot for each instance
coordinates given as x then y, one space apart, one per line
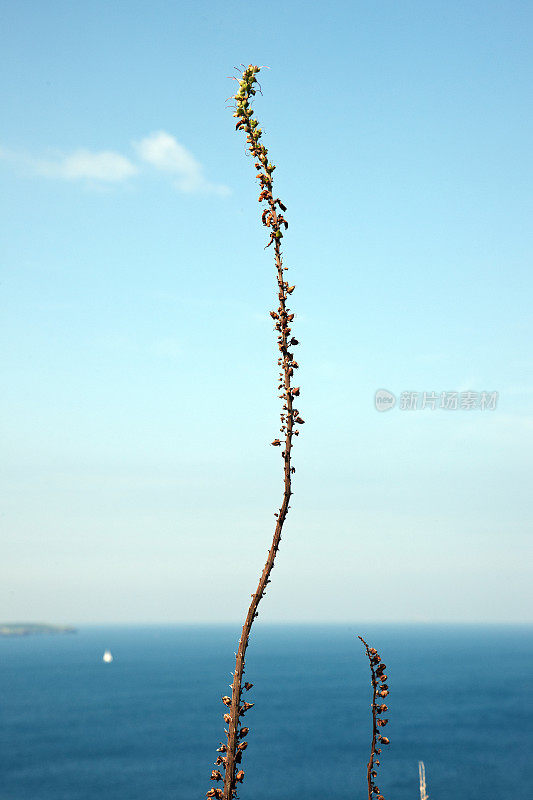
138 364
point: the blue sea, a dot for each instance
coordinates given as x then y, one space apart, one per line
146 726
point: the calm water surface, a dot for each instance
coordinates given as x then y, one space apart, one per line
146 727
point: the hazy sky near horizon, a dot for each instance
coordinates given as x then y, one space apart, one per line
139 360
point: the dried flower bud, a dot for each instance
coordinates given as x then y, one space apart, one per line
240 776
216 776
276 442
248 686
243 732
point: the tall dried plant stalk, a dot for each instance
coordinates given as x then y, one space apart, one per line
380 690
231 752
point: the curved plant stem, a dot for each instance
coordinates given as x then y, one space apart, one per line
273 219
379 689
370 766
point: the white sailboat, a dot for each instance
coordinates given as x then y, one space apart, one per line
107 657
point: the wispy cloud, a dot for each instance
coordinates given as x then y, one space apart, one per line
165 153
102 167
160 150
84 164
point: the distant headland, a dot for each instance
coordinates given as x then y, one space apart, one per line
32 628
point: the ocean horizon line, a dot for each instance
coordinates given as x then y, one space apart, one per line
293 623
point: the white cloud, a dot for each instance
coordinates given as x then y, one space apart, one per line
84 164
165 153
104 166
160 150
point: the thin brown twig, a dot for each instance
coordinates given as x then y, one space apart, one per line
379 689
231 753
